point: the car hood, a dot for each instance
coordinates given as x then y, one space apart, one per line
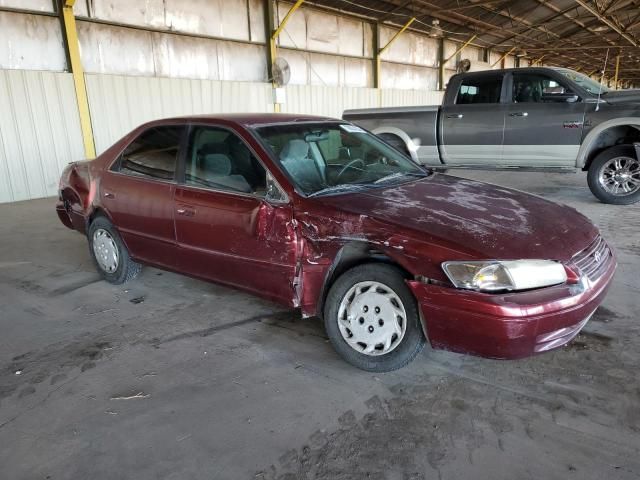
476 219
622 96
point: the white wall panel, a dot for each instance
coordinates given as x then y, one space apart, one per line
37 5
120 103
39 132
128 51
310 29
409 48
32 42
408 77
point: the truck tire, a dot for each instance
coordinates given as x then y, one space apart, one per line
396 142
614 175
372 320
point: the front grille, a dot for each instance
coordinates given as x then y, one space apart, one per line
593 260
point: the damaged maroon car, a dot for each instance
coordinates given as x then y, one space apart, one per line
320 215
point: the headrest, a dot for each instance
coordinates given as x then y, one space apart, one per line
296 148
213 147
217 164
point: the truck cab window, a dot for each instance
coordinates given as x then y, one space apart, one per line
484 89
532 88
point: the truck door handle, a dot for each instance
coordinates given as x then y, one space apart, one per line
455 115
109 195
519 114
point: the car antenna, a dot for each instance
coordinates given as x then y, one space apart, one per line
604 68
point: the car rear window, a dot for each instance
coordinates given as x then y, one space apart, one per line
153 154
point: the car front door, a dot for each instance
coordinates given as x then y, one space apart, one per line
544 123
137 193
472 124
228 229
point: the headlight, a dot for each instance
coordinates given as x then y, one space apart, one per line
493 275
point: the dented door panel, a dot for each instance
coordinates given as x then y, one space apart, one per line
239 240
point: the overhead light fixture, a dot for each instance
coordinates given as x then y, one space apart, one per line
436 30
601 28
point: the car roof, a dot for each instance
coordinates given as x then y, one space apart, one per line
250 119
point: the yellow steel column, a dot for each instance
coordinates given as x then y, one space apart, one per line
615 78
274 36
71 40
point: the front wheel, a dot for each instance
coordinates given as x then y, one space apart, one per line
372 318
614 176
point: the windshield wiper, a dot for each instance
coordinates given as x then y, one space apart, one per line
341 187
401 174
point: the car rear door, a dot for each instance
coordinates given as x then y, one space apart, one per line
540 130
226 229
472 123
137 193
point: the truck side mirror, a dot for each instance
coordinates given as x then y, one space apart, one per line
558 94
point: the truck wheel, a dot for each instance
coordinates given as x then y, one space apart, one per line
396 142
110 254
614 176
372 318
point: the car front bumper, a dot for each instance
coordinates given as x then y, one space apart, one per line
511 325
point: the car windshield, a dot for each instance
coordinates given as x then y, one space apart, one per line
589 84
327 158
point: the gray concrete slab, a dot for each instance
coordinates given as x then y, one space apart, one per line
200 381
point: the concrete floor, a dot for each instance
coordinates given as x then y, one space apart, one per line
173 378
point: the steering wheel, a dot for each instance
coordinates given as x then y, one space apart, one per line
351 164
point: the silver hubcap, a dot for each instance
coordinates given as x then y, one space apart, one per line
372 318
621 176
105 250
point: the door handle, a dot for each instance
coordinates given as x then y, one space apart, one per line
186 211
519 114
109 195
455 115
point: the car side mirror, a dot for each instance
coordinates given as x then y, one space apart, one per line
274 193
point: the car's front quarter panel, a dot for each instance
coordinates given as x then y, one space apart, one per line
328 235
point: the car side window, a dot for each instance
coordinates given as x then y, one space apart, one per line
532 87
153 154
219 159
481 89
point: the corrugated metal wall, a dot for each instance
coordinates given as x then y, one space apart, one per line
119 103
39 132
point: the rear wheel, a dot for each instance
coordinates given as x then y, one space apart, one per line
396 142
372 318
109 253
614 176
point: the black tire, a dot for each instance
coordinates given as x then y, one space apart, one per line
594 176
126 268
407 347
396 142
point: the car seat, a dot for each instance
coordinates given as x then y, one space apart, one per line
216 170
294 157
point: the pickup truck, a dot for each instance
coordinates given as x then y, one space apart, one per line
550 119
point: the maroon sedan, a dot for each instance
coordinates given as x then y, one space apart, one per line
318 214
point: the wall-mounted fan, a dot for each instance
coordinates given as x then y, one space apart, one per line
464 65
281 72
